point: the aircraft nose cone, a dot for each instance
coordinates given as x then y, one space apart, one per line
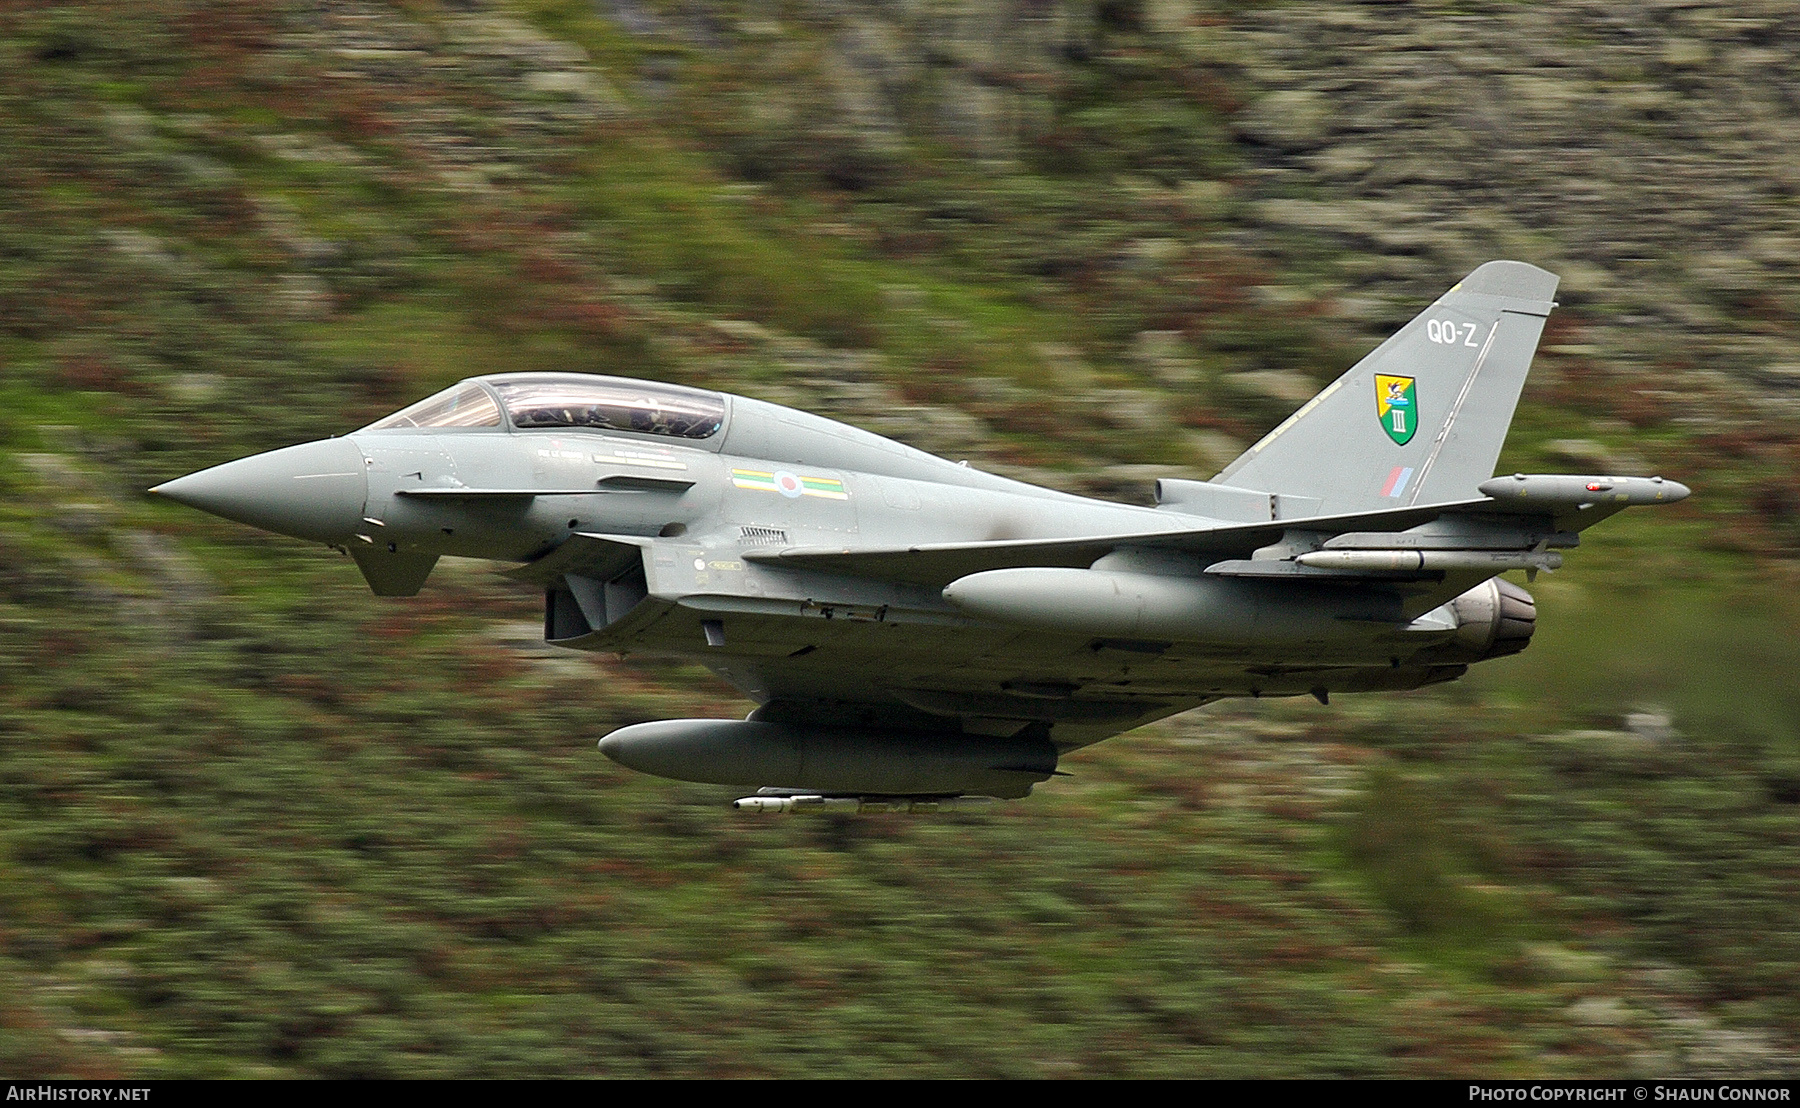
312 491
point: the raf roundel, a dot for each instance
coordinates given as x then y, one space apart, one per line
788 484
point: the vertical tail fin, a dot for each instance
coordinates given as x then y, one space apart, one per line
1421 419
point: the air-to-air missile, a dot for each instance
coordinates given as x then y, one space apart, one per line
916 631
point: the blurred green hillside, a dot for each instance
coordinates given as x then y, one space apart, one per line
256 822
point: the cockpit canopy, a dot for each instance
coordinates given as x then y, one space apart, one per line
568 400
463 405
611 404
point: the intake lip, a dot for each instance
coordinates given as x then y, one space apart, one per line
312 491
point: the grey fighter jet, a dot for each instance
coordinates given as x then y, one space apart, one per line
915 630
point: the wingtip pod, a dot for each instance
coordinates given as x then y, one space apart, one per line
1552 490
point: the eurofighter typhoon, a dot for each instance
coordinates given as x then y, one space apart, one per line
915 630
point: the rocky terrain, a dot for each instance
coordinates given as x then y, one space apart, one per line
1642 151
